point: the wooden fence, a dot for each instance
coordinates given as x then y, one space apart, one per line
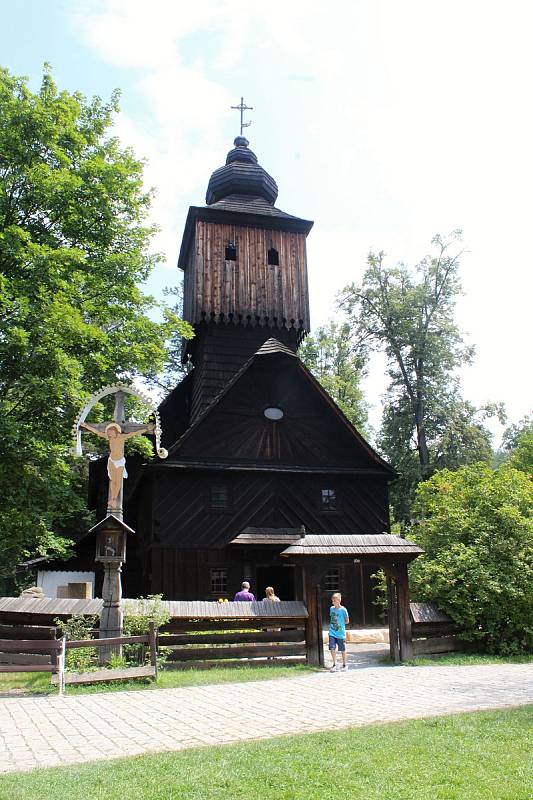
121 673
433 632
22 651
233 632
26 648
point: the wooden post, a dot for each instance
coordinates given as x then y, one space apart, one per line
153 648
404 614
320 632
111 616
311 628
392 612
61 666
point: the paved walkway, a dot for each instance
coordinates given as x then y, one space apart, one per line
50 731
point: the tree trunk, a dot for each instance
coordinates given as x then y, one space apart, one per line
423 452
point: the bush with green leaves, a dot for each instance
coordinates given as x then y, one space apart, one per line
79 626
138 614
475 525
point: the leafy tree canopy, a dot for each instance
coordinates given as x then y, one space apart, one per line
517 445
476 528
410 315
333 359
74 247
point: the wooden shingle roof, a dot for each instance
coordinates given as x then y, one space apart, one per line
352 545
50 608
266 536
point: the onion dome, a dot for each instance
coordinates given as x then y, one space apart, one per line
241 175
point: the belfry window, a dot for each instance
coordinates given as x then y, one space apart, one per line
230 252
273 257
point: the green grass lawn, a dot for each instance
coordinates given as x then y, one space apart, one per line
18 683
467 659
481 756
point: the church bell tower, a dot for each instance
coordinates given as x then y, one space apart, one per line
245 266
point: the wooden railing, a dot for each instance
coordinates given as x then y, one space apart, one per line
117 674
22 651
194 641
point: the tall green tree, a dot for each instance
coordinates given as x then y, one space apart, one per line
334 360
74 249
410 316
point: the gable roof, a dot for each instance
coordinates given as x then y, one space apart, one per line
272 347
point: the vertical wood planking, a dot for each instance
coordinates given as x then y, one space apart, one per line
249 286
404 614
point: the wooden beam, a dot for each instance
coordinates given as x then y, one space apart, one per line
233 638
404 613
392 612
314 642
247 651
439 644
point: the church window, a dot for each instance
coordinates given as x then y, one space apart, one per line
329 499
230 252
219 581
273 413
332 580
273 257
219 496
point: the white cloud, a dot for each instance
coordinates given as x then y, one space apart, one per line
386 122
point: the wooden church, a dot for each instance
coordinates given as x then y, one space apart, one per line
258 451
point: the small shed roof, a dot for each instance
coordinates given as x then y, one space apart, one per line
266 536
353 545
427 612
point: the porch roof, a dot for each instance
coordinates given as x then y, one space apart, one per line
266 536
320 545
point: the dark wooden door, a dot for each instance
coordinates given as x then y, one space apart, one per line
281 578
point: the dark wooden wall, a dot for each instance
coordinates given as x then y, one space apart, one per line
310 433
183 517
248 286
180 574
219 351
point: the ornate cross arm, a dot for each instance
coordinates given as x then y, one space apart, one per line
126 428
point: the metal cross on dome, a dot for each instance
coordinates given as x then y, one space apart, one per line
242 108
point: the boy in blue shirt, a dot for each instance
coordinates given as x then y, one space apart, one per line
338 620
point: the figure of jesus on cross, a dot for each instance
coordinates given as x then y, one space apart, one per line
116 433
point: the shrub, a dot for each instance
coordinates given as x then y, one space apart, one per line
138 615
476 528
78 627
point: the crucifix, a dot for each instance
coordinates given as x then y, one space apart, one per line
111 532
116 432
242 108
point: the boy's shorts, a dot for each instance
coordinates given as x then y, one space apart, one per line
340 643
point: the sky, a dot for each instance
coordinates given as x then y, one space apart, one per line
384 121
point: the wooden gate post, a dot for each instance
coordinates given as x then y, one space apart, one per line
404 613
392 613
153 648
313 642
319 632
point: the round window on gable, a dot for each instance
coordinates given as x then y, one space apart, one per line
273 413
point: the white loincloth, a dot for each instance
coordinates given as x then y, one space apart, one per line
118 462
